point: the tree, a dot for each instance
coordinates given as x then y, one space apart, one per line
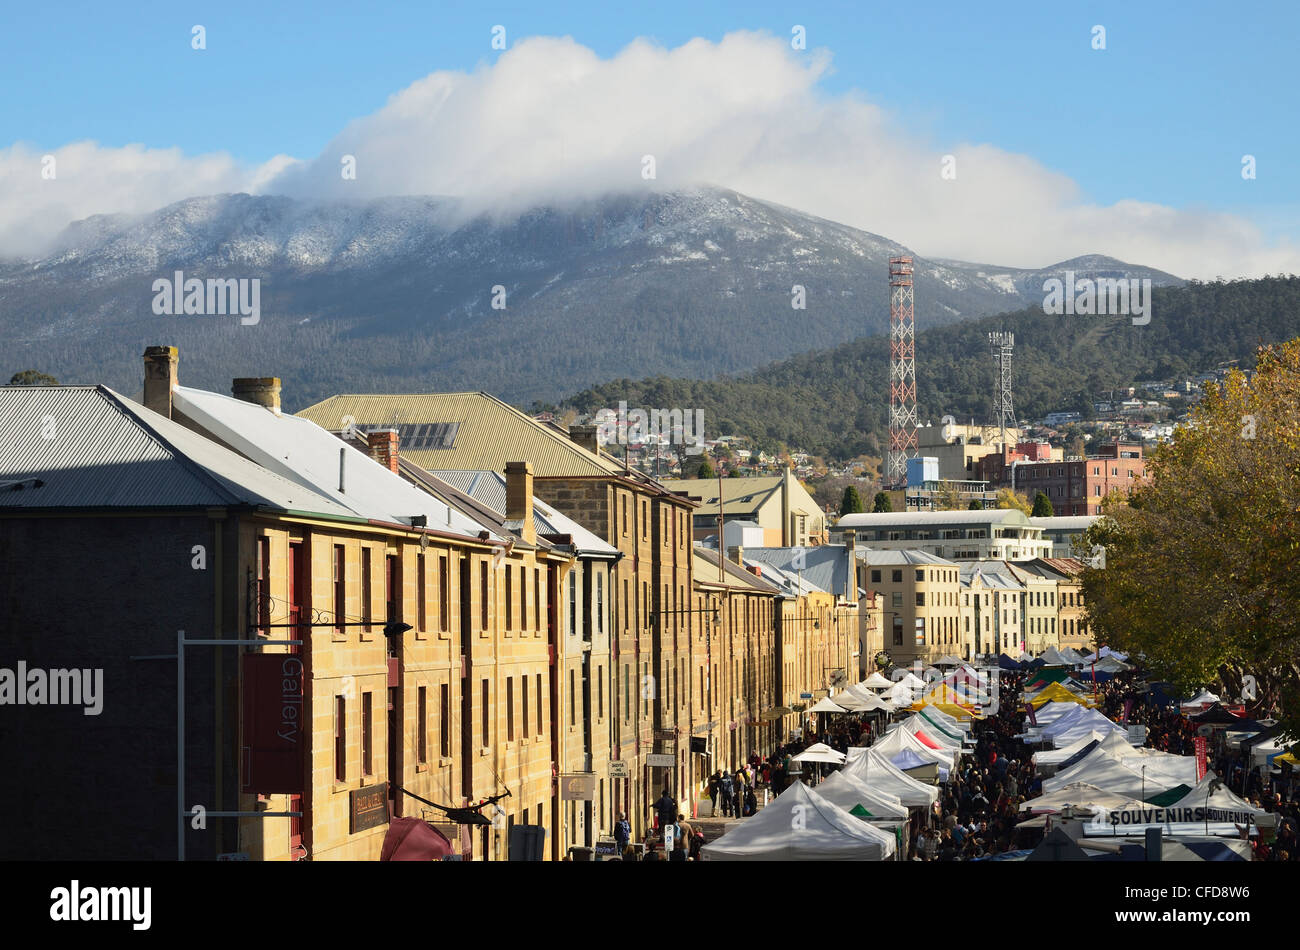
882 502
974 505
706 470
32 377
1012 499
1200 572
852 501
1042 507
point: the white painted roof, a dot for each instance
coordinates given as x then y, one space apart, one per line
303 452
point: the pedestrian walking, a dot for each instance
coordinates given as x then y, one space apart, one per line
666 809
726 789
622 832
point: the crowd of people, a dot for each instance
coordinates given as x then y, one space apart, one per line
978 809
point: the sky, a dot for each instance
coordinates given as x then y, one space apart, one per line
1056 148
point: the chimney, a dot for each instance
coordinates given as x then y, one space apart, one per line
261 391
736 553
161 364
519 498
585 436
382 445
851 549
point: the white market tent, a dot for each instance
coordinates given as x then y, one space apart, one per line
826 705
949 660
876 681
902 739
881 775
1053 657
1083 797
1110 774
901 694
1050 758
801 825
1203 698
848 791
820 752
917 723
1204 810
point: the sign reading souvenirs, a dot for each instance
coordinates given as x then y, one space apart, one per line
368 807
273 724
1138 817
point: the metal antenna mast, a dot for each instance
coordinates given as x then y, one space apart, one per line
1004 415
902 372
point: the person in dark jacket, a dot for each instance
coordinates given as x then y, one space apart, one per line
715 780
666 809
622 832
727 789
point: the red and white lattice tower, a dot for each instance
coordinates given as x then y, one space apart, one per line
902 373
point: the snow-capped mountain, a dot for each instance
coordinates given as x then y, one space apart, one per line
399 294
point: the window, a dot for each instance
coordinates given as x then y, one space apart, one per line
523 703
367 734
920 599
1096 490
523 598
897 600
920 576
510 709
444 599
573 602
421 592
572 695
898 577
627 692
600 603
537 600
422 734
444 721
340 739
645 520
510 600
485 724
875 577
538 683
365 591
624 500
483 597
264 586
600 692
340 589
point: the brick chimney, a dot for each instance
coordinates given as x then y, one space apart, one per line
585 436
736 552
519 499
383 446
161 367
261 391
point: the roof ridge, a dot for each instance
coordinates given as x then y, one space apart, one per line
118 402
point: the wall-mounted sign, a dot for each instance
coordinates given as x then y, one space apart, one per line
660 761
577 787
618 768
273 737
368 807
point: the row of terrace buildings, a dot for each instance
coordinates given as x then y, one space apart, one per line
385 606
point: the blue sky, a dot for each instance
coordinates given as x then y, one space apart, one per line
1164 114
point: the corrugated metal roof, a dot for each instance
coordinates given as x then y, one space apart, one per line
705 570
489 489
825 566
887 519
489 432
883 557
106 452
303 452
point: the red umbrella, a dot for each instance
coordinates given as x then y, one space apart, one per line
412 839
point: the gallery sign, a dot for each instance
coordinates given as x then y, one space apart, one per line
274 739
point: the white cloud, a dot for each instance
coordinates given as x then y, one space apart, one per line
552 121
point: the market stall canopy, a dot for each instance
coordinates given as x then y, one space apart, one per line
879 774
801 825
877 681
1216 715
902 739
848 792
827 705
1052 657
820 752
1203 698
1109 773
1055 693
948 661
1082 796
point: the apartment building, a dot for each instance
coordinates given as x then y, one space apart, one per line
648 524
1039 607
992 604
1078 486
778 504
991 534
919 606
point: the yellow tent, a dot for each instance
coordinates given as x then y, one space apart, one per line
944 697
1290 759
1056 693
